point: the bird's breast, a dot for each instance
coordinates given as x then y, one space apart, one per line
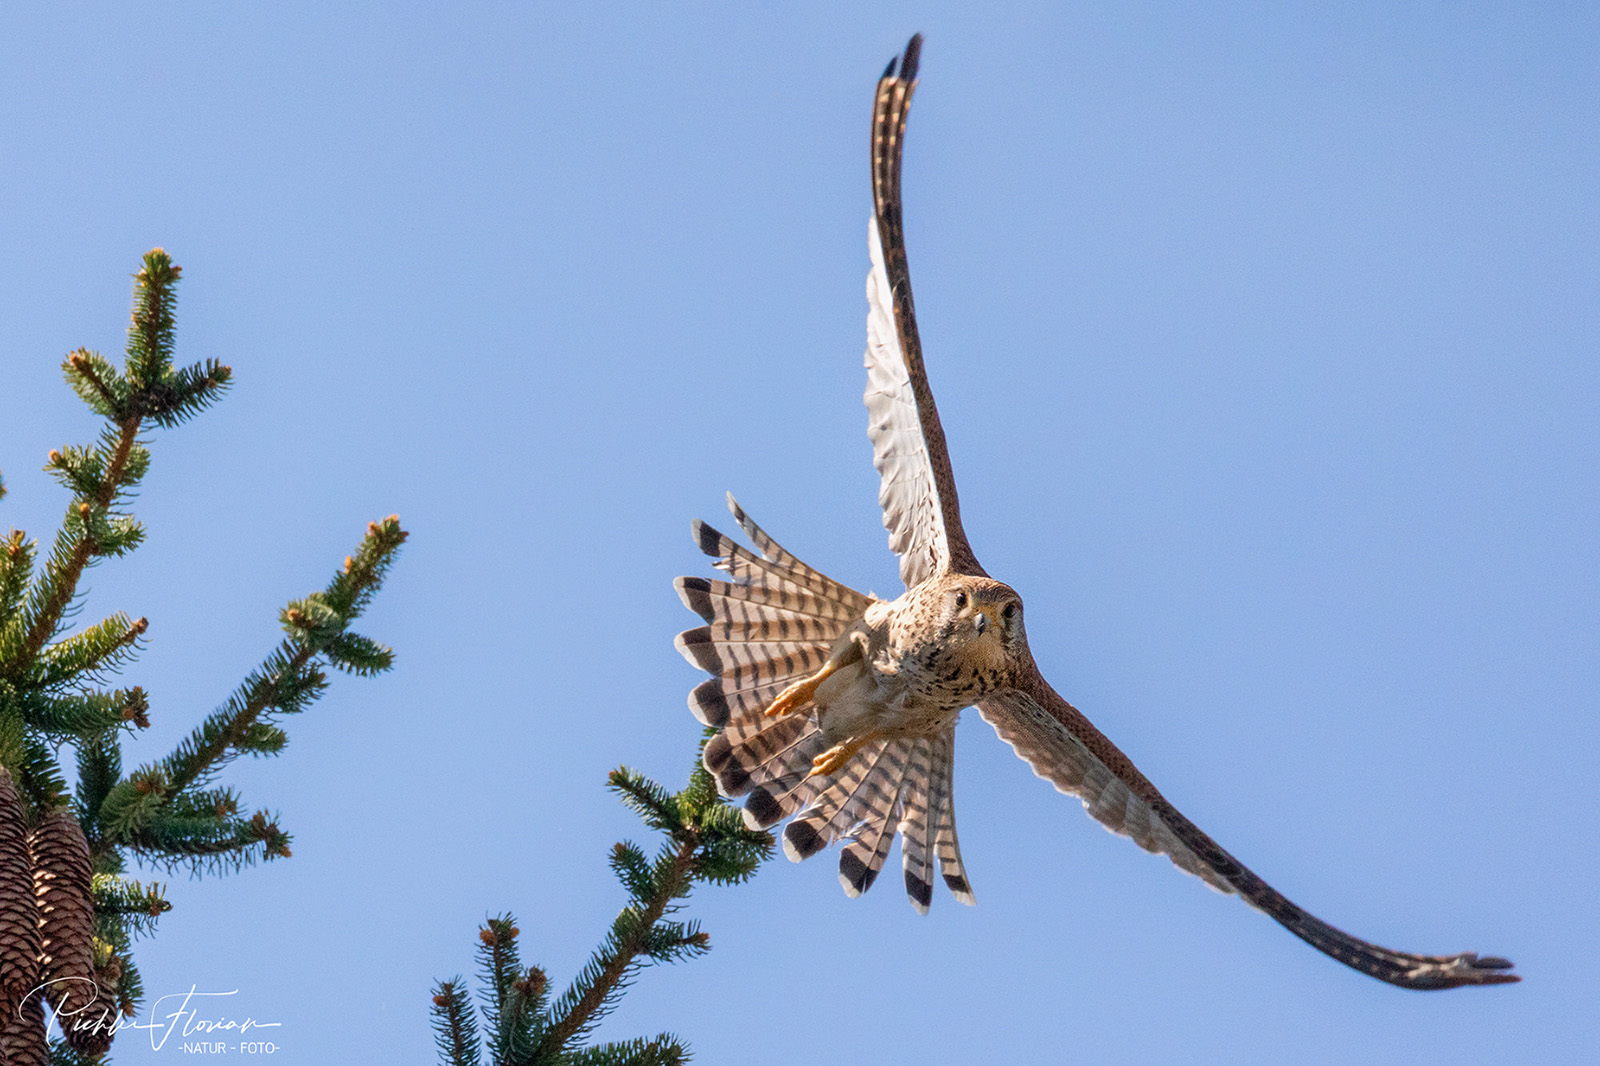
895 694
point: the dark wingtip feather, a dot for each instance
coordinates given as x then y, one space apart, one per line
696 646
695 592
920 891
708 539
763 808
1491 970
913 54
717 753
855 875
734 780
709 705
801 841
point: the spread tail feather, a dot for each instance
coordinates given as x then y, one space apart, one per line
769 625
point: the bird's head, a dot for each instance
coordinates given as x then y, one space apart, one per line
984 617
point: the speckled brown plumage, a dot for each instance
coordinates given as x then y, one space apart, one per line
837 710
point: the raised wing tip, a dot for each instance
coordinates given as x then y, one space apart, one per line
1492 970
1457 971
707 538
907 61
735 510
913 53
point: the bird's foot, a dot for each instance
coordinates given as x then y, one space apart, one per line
799 694
834 759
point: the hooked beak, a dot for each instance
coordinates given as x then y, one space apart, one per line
983 620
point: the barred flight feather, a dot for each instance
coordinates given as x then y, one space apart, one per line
1063 760
833 811
874 799
733 759
863 857
773 564
916 854
907 494
716 702
868 842
744 675
945 843
777 629
1051 734
743 565
774 552
790 788
755 661
730 601
746 730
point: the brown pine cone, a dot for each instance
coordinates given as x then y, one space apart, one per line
61 880
89 1032
19 914
22 1039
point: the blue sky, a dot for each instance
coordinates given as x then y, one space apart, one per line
1265 338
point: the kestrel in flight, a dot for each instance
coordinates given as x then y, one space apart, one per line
837 710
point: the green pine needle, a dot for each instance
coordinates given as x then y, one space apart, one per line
100 649
703 840
664 1050
52 679
123 906
150 336
455 1032
97 383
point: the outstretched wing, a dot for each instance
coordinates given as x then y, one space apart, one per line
1063 747
918 490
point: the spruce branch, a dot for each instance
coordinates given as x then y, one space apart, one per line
16 567
82 714
513 997
664 1050
285 682
97 383
454 1031
52 688
611 968
99 771
705 840
101 648
290 678
124 906
209 844
41 780
74 548
150 334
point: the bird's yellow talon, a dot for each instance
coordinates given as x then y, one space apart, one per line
834 759
798 694
792 697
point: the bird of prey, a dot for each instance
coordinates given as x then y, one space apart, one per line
837 710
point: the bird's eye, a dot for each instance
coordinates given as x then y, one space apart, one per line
1010 613
961 600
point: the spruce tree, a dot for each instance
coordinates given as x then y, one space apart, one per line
68 910
704 840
